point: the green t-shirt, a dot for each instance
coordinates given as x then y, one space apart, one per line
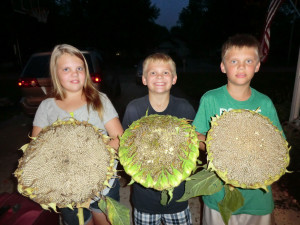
214 102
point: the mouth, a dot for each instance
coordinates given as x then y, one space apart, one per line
74 81
159 83
241 75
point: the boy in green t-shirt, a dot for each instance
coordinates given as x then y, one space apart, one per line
240 61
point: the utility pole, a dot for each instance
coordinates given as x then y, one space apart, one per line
295 108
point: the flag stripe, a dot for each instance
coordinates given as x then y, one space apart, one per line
272 10
265 41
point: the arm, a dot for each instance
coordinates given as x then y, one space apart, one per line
35 131
202 122
114 129
41 117
201 138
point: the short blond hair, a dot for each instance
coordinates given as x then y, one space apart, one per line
159 57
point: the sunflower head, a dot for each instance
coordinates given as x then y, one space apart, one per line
246 150
159 151
66 165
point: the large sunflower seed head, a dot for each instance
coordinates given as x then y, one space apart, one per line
246 150
66 165
159 151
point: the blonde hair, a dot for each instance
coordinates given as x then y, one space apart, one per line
89 90
159 57
241 41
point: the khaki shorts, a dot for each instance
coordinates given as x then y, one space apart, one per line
213 217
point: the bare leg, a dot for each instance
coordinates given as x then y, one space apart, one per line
100 219
91 222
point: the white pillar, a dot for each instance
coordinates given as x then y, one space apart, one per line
296 95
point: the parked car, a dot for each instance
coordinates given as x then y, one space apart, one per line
35 81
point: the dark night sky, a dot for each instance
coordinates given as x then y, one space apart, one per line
169 11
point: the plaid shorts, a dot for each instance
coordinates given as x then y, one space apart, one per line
181 218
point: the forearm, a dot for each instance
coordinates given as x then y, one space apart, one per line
202 139
35 131
114 130
114 142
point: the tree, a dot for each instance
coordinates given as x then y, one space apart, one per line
114 25
205 24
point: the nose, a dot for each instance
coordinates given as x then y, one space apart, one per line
159 75
75 73
241 65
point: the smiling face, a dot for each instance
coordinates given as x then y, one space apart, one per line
159 77
71 73
240 65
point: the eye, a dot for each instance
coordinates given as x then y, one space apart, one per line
66 69
249 61
152 73
166 73
233 61
80 68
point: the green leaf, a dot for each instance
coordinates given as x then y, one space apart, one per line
202 183
117 213
164 197
233 200
102 205
170 193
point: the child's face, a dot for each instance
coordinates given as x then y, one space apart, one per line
159 77
240 65
71 72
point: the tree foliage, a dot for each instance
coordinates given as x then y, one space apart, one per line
207 23
113 26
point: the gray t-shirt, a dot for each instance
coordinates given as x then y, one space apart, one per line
48 112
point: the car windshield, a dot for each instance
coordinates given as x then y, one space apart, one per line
38 67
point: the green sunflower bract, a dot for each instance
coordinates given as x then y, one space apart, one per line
159 151
246 150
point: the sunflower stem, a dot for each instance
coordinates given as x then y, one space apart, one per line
80 216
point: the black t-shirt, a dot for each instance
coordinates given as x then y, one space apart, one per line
147 199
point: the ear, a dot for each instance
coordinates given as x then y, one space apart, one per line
144 80
174 80
222 66
257 67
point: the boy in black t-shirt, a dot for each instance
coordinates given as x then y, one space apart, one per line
159 74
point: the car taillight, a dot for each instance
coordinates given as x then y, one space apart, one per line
28 82
96 77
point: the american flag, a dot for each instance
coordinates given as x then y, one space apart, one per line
265 41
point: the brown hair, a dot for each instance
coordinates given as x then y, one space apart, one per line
159 57
89 90
240 41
